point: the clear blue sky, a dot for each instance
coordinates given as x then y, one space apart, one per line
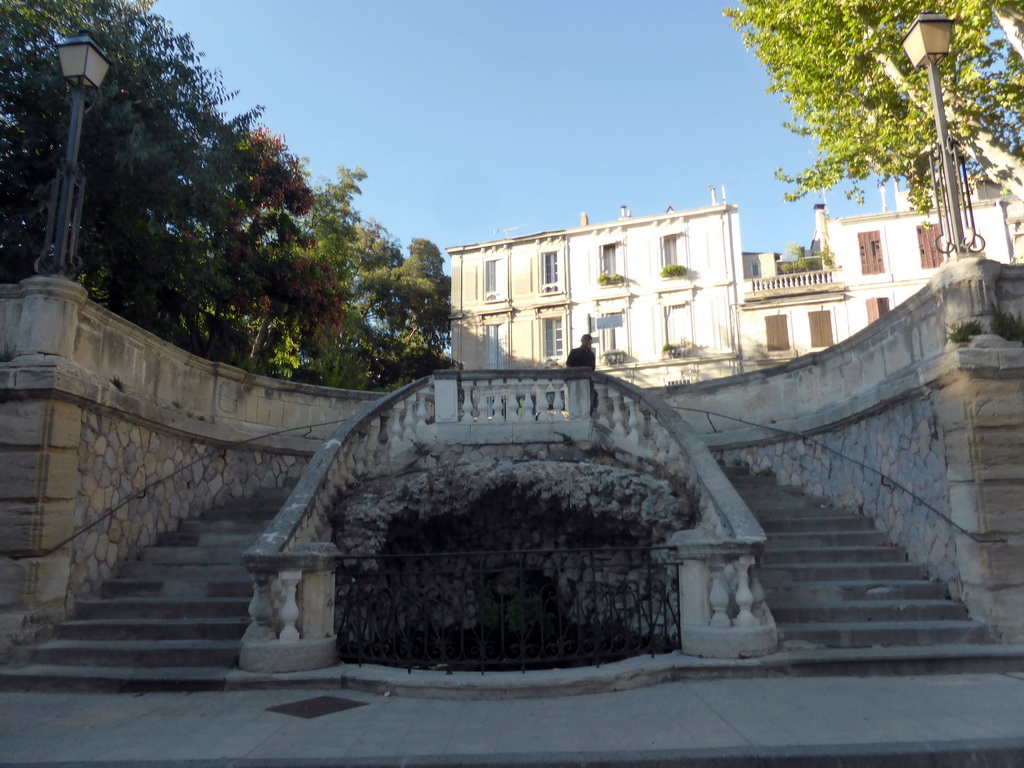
471 116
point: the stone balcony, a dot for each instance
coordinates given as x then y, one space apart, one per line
797 283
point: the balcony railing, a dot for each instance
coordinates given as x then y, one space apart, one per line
800 281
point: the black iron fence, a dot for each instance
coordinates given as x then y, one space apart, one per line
523 610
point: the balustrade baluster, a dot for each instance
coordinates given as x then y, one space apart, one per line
359 454
633 423
616 397
558 406
290 609
467 401
261 607
504 395
395 429
719 597
540 397
410 418
372 441
744 597
422 413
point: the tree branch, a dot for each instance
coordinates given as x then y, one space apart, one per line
1011 19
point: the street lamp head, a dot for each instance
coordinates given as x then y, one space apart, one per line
82 61
928 39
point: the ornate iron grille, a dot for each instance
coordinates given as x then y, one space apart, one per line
508 610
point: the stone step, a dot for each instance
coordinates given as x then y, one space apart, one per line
162 608
774 574
137 653
832 523
72 678
204 538
778 555
239 586
798 593
263 507
200 526
140 569
153 629
869 611
198 555
882 633
803 539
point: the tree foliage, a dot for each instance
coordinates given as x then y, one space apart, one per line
841 69
202 227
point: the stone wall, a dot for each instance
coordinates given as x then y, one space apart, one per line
98 413
839 465
943 421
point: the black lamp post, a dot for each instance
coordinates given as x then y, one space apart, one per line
84 65
926 44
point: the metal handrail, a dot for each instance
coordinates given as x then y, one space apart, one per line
885 479
142 492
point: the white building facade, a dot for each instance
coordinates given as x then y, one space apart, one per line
657 293
860 268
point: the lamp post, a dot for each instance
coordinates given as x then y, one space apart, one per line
926 44
84 65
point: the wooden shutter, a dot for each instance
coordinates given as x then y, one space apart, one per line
871 262
777 332
877 308
821 328
931 256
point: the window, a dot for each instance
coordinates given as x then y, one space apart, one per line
871 262
609 332
490 279
677 325
755 269
931 256
495 335
821 328
777 333
877 308
553 346
609 262
669 254
549 272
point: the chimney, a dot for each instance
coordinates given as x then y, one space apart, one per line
624 212
821 226
584 221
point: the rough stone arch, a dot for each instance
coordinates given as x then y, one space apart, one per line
501 503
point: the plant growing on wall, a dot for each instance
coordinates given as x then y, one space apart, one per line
964 331
673 270
1008 325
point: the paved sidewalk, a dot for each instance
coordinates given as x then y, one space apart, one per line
940 720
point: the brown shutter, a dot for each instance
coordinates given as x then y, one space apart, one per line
777 332
821 328
871 261
931 256
877 308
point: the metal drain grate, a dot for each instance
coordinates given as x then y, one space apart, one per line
316 707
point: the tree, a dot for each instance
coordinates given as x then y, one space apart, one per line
841 69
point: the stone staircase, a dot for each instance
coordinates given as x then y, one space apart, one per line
171 620
833 581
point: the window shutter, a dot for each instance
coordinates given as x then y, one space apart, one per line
931 256
871 261
877 308
777 332
821 328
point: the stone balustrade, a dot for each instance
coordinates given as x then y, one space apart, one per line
292 563
797 280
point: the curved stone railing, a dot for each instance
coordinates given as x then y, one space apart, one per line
292 564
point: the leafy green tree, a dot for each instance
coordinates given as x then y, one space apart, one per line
840 67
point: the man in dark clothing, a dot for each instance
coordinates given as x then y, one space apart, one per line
583 356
